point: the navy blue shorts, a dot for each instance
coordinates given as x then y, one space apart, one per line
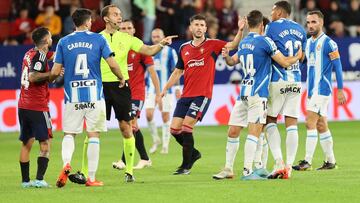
136 107
34 124
194 107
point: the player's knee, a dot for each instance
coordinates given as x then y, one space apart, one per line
44 149
175 132
321 127
233 132
270 119
149 116
187 128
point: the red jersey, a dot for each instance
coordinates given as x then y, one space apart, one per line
137 65
34 96
198 64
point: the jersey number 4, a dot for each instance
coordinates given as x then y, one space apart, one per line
81 66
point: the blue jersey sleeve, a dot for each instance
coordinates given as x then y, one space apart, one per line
269 30
304 40
59 55
173 58
270 47
105 49
333 53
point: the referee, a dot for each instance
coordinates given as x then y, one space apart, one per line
120 98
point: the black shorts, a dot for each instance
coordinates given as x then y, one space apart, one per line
34 124
119 99
136 107
194 107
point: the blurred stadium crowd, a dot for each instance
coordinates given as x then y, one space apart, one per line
19 17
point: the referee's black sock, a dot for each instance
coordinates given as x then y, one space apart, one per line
139 143
25 171
42 166
188 148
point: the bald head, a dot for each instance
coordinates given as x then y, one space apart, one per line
157 35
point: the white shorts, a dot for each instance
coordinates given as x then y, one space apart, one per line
284 99
167 102
94 114
250 110
318 104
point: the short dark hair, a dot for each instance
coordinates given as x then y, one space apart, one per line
39 34
105 10
265 21
197 17
284 5
316 12
80 16
127 20
254 18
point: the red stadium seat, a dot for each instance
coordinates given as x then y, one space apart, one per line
5 30
5 6
91 4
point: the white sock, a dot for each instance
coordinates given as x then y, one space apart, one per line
274 140
166 134
292 141
311 141
232 146
265 152
93 156
67 148
249 153
327 144
259 148
153 131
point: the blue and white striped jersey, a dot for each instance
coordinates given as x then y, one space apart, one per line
255 52
80 54
288 36
164 63
322 57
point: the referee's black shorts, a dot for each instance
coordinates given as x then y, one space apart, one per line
119 99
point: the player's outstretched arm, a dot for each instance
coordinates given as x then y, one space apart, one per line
287 61
174 77
155 80
115 69
239 35
154 49
230 61
56 71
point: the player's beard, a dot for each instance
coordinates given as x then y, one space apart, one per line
315 32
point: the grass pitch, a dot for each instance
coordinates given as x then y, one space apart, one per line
156 184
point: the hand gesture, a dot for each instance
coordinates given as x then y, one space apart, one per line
341 97
121 82
242 22
167 40
225 52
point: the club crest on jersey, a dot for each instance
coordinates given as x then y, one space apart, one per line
133 55
202 50
186 53
318 47
195 63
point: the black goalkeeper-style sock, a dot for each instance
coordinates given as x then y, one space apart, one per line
139 143
25 171
179 138
42 166
188 148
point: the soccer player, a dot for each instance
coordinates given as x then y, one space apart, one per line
120 99
254 54
34 117
138 64
164 64
322 57
79 53
197 61
285 87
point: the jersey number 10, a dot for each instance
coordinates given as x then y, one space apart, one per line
81 66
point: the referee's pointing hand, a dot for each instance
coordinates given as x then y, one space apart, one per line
167 40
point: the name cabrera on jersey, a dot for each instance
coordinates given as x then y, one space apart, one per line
80 54
320 53
254 54
288 37
164 64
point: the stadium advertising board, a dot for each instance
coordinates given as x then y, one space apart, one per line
218 113
11 59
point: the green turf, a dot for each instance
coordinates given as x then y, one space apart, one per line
156 184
